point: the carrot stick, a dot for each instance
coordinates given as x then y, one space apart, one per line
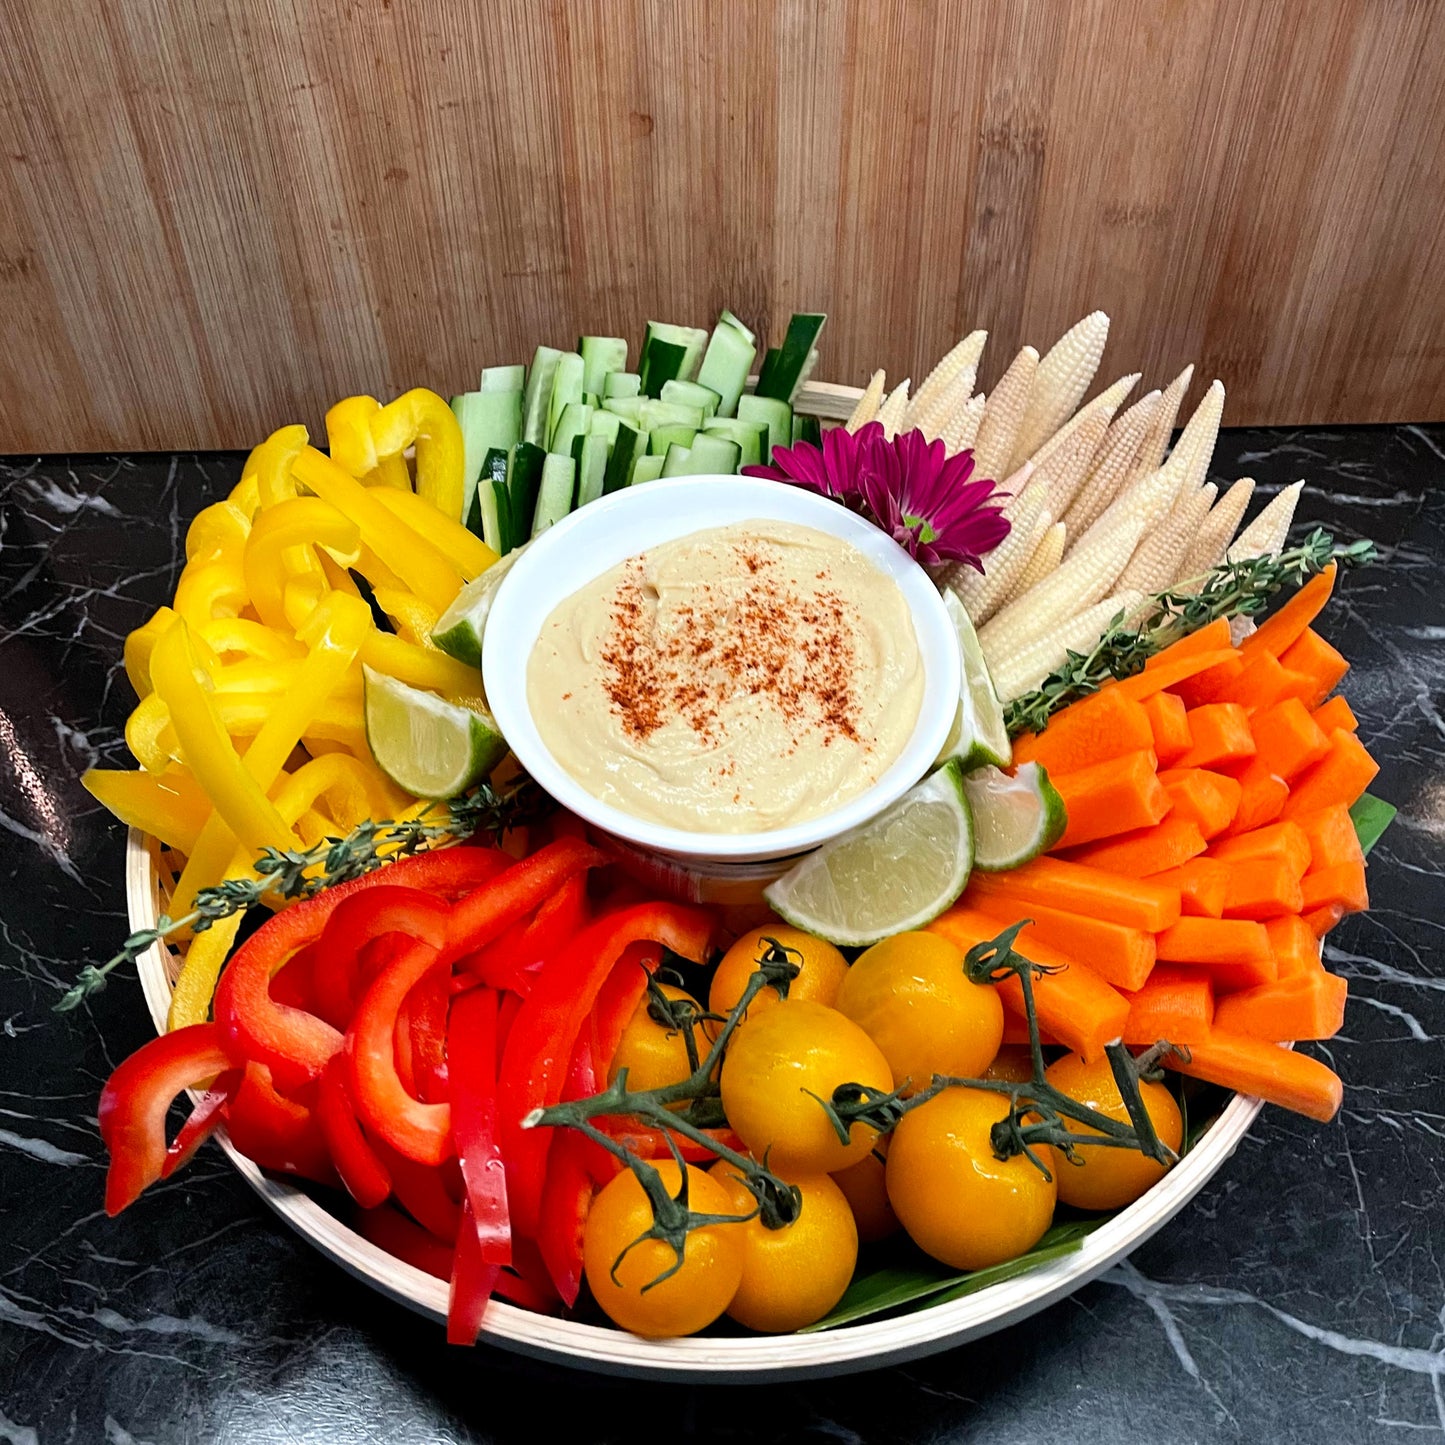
1261 888
1209 800
1120 956
1261 682
1202 884
1335 716
1213 685
1296 949
1016 1030
1284 842
1319 921
1177 1003
1277 632
1172 676
1210 638
1343 884
1057 883
1287 740
1146 851
1307 1006
1312 655
1111 797
1074 1004
1339 777
1330 834
1251 1066
1221 735
1169 723
1101 727
1214 940
1262 800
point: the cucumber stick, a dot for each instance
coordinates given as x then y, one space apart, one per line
575 421
554 497
627 445
729 359
538 396
673 434
591 469
494 503
750 436
621 383
669 353
504 378
777 415
524 481
646 468
600 355
691 393
707 456
785 367
566 389
487 419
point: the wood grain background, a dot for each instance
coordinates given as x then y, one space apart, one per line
216 218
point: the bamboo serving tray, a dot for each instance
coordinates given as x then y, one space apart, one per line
150 873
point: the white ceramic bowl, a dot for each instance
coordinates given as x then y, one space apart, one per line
598 537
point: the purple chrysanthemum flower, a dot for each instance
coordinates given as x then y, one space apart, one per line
910 487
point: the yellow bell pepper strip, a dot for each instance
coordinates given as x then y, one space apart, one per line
340 781
391 472
334 634
205 956
297 523
271 464
207 749
254 640
218 531
148 734
169 805
463 549
244 714
420 416
421 568
376 572
257 675
246 494
338 579
424 667
208 590
411 617
139 646
363 437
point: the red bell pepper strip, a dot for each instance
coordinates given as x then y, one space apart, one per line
507 1012
539 1047
361 1169
137 1097
487 912
525 1281
363 919
391 1230
617 1001
203 1121
295 985
473 1281
511 961
421 1189
565 1202
649 1143
472 1077
427 1026
293 1043
423 1132
276 1132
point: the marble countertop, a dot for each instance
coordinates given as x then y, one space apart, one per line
1300 1297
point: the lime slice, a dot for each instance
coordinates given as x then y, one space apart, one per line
459 629
428 746
894 873
1014 818
978 736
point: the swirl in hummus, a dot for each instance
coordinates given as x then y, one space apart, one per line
737 680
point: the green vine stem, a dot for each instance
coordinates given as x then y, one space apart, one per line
1233 589
304 872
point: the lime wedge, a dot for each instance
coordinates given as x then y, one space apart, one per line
894 873
978 736
428 746
459 629
1014 818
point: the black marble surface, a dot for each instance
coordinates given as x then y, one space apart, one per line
1300 1298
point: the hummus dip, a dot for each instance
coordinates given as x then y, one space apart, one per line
737 680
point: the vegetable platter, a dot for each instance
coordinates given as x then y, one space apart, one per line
522 1089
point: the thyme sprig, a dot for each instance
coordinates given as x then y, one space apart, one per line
304 872
1233 589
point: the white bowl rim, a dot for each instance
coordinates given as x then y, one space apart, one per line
515 621
752 1359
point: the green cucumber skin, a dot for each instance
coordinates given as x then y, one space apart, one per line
524 481
600 356
783 368
537 397
731 352
492 485
626 446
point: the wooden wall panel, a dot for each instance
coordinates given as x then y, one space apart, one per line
216 218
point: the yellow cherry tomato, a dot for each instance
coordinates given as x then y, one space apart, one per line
866 1190
1109 1178
1013 1064
777 1068
957 1200
911 996
823 969
653 1053
795 1275
697 1293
